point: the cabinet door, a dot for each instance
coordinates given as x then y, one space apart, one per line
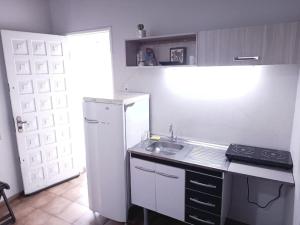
143 183
280 43
237 46
170 191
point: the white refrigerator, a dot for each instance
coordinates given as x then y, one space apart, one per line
111 127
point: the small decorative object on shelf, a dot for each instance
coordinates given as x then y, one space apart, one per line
150 59
140 61
178 55
141 31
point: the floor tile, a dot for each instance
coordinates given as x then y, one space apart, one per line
73 212
56 206
22 210
3 211
56 221
40 199
84 200
61 188
79 180
74 193
37 217
91 218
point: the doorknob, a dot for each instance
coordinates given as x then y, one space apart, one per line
20 124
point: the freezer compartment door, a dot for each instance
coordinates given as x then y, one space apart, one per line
137 121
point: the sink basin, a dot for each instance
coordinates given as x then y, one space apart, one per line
166 148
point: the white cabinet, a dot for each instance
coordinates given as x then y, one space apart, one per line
158 187
143 183
170 192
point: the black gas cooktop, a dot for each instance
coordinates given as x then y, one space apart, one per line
260 156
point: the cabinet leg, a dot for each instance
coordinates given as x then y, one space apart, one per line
145 216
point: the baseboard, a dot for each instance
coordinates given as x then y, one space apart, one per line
234 222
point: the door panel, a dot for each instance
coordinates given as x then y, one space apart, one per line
143 183
170 192
36 71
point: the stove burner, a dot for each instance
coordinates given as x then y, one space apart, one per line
260 156
244 150
274 155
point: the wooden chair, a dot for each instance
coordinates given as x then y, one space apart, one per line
10 217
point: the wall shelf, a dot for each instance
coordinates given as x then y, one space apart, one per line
161 46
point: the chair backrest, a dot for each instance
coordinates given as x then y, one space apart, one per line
4 186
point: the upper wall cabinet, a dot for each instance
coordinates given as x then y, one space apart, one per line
169 50
230 46
268 44
280 43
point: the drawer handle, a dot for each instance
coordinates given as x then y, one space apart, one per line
200 220
202 203
144 169
246 58
167 175
203 185
90 121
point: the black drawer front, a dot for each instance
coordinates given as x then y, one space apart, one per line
198 217
203 201
204 183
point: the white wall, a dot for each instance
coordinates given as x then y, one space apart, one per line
29 15
261 116
295 150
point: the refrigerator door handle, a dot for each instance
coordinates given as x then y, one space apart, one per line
90 121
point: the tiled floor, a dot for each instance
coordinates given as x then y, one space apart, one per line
67 204
63 204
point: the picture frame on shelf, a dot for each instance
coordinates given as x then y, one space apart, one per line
178 55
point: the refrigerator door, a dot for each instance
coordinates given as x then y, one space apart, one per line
104 130
137 121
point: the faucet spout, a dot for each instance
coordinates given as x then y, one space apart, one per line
172 138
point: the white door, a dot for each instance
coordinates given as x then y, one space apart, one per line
36 68
170 192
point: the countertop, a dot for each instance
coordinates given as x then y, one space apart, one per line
195 154
212 156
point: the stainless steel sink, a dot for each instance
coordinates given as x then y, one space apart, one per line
163 147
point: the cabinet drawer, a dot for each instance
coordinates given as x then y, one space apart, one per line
204 183
198 217
203 201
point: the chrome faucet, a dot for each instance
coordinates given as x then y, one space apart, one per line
172 137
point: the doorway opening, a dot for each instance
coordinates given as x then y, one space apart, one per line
91 76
